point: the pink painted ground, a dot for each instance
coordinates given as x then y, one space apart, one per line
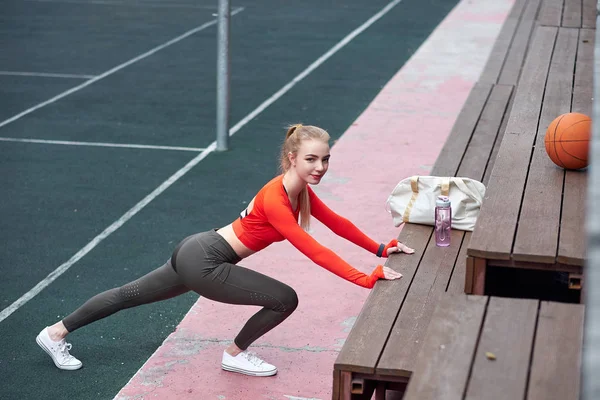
398 135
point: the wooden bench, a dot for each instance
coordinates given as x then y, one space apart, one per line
500 348
533 215
381 349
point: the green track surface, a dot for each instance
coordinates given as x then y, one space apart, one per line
57 198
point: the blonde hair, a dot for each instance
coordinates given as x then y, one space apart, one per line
294 137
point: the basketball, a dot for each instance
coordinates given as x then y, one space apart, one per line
567 140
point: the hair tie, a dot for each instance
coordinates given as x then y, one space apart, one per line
295 128
292 130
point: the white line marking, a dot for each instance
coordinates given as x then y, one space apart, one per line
299 398
100 144
319 61
113 70
46 75
133 211
117 3
113 227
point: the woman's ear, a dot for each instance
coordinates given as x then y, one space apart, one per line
292 158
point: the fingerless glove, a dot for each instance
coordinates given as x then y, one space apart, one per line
374 277
384 248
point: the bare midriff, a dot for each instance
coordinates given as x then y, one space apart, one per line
229 235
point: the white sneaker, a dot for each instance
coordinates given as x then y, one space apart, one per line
248 364
59 351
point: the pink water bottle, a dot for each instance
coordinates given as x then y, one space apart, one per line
443 221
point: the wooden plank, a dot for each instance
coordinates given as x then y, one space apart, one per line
518 49
370 332
495 62
496 224
588 12
537 232
459 280
429 284
572 14
494 155
530 91
451 154
479 271
508 334
572 240
550 12
556 365
584 73
442 369
572 243
480 147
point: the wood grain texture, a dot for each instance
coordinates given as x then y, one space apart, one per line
448 160
494 155
572 14
429 284
497 221
442 368
588 17
550 13
508 334
572 243
469 275
537 233
369 334
337 382
515 58
556 364
479 150
459 280
584 73
493 67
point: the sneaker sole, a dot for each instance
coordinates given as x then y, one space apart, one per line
65 367
250 373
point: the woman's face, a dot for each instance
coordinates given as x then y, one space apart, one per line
312 160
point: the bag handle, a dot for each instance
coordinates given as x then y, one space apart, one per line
465 189
445 186
414 186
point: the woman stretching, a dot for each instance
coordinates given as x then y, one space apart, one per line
207 262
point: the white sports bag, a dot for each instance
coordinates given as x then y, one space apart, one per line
413 200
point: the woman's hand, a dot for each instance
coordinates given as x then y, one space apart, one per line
400 248
390 274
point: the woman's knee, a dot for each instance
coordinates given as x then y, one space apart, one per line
288 299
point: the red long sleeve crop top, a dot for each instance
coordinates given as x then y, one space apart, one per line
272 219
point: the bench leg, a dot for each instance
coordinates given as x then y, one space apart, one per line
469 275
345 385
479 266
352 388
380 391
336 385
582 291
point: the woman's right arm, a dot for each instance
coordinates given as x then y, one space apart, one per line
282 219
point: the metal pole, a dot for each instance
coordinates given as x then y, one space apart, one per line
591 342
223 76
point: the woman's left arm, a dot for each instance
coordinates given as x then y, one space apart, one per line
345 228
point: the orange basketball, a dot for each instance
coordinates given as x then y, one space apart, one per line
567 140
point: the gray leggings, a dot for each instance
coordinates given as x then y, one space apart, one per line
204 263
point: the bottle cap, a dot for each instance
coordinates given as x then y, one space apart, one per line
442 201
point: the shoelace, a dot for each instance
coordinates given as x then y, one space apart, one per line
253 358
64 348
